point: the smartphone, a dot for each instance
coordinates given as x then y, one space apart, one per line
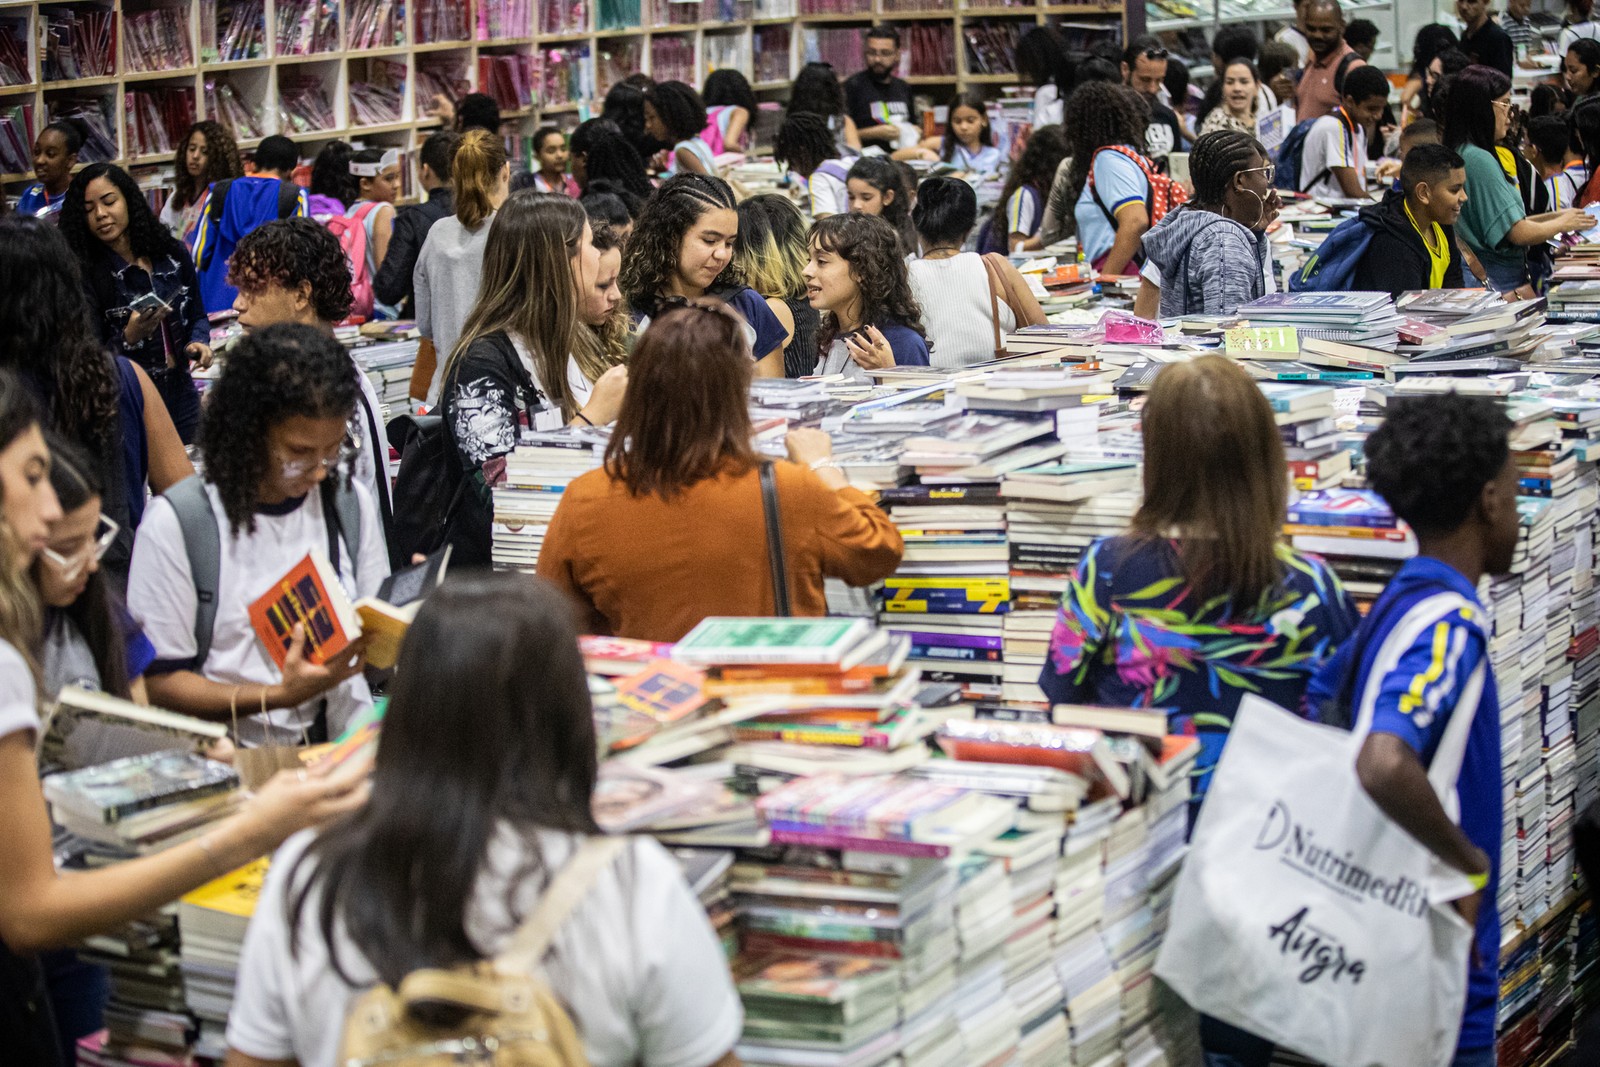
147 302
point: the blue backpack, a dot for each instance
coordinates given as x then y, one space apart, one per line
1332 267
1289 153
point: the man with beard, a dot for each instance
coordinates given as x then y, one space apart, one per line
1144 69
878 101
1322 85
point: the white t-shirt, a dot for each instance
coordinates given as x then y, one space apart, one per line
1329 144
829 195
446 278
636 964
374 453
1291 36
576 381
1048 106
19 702
954 295
162 597
1577 30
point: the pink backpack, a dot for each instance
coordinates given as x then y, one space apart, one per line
351 230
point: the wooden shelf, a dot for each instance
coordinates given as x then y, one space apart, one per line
79 83
156 75
439 46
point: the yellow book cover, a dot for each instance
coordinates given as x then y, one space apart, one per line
235 893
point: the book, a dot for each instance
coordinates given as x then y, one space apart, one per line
386 617
124 787
116 728
1138 721
838 642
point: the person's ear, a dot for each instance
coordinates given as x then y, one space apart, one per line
302 296
888 197
1424 193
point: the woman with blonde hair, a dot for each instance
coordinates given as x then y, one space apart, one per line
451 262
1201 601
40 907
681 466
771 255
603 339
513 366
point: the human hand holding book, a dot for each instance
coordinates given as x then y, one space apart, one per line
303 678
289 801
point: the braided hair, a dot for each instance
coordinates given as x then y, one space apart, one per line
1098 115
804 142
1216 158
651 258
607 156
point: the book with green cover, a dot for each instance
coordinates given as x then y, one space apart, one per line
721 640
112 791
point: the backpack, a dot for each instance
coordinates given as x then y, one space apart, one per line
202 543
1332 267
1293 148
351 230
495 1013
288 205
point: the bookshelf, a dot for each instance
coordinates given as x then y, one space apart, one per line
369 71
1177 18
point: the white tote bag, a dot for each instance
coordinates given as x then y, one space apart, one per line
1305 915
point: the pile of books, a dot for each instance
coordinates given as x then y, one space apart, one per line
387 358
212 922
143 804
1366 319
537 472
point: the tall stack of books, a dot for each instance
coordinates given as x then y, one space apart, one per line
143 804
386 358
1365 319
145 1017
212 921
1354 530
537 472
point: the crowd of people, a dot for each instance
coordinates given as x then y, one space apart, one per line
622 283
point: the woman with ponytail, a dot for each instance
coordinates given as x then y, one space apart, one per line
451 263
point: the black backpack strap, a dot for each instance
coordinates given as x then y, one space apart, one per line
774 523
288 198
1343 68
341 514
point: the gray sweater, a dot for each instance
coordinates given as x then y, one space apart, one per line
446 277
1209 264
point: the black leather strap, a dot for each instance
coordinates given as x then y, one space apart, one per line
769 503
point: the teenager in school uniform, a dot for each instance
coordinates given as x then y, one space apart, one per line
807 147
857 278
1333 161
40 908
275 435
682 250
674 113
514 368
1413 233
55 153
293 270
1019 222
550 151
496 717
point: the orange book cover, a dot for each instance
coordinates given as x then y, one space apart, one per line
309 593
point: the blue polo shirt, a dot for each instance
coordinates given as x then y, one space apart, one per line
1415 703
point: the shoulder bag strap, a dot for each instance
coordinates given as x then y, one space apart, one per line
202 543
529 944
769 503
995 283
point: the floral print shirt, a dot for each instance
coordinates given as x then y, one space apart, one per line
1131 633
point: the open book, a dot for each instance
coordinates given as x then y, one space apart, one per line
311 594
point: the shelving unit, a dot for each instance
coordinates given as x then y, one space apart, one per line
289 66
1268 15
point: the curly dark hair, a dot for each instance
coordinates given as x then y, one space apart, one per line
804 142
884 175
682 112
877 266
726 87
46 335
816 91
1216 158
1098 115
1047 147
222 162
145 231
651 259
607 156
1433 455
287 252
271 375
330 174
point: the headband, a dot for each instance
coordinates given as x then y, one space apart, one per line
372 170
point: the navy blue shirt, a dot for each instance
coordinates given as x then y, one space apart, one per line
1415 703
112 285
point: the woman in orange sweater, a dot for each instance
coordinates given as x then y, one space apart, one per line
672 529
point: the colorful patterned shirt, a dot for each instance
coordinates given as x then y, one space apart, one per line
1131 633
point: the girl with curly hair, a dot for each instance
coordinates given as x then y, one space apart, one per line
1018 224
107 404
126 258
208 154
857 278
816 91
1106 189
274 432
674 112
682 249
876 186
600 153
771 254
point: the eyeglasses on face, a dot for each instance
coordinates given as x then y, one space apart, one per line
295 469
71 565
1270 170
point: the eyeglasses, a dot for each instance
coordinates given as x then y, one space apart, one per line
295 469
71 566
1270 170
1508 105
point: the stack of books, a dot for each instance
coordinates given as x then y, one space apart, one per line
1354 530
802 1009
1305 414
1366 319
537 472
387 360
211 922
146 1016
143 804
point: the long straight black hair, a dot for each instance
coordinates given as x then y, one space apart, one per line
489 725
1469 118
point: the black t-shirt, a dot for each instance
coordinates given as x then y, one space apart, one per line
874 103
1490 46
1163 136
